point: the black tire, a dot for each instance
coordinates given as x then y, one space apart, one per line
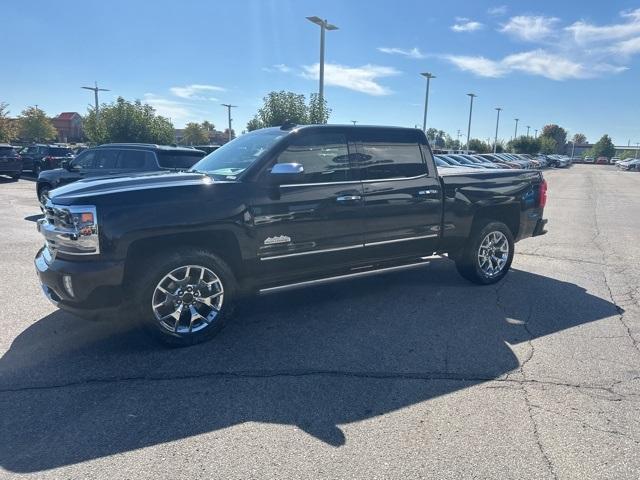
152 270
43 193
467 260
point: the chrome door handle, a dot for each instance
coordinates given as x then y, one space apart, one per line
348 198
427 192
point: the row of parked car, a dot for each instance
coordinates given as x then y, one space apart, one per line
500 160
631 164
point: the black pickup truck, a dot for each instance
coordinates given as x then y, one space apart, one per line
276 209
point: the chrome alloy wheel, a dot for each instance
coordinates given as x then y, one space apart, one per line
493 253
187 299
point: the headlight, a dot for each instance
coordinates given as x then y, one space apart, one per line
72 230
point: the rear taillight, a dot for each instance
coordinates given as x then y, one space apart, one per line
542 194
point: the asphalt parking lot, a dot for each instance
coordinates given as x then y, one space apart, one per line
411 375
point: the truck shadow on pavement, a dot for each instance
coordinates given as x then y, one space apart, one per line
72 390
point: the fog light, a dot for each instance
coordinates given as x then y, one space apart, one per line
68 285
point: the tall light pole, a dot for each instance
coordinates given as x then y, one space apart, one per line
471 97
324 25
428 76
637 147
528 128
95 90
536 133
229 107
515 135
573 147
354 121
495 141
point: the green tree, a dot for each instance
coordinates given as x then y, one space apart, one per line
318 113
579 139
254 124
34 125
194 134
524 144
603 148
289 107
547 145
125 121
8 128
207 126
283 107
436 137
558 134
451 144
479 146
627 154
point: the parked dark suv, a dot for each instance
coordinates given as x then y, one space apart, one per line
10 161
41 157
117 159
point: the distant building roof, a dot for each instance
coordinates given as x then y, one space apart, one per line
67 115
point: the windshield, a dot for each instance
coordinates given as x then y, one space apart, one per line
235 157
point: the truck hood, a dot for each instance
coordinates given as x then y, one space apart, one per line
91 187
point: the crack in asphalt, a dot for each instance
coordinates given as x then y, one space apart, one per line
566 259
522 383
621 314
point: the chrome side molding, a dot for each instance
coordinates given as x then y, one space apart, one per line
339 278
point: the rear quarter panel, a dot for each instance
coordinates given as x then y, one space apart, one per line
466 194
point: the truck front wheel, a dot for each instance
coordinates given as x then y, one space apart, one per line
184 297
487 257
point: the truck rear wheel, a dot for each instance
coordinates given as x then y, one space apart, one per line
184 298
487 257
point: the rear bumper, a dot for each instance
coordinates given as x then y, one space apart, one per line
96 285
10 167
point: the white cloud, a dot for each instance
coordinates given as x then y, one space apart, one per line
466 25
627 47
412 53
584 32
362 79
545 64
480 66
279 67
497 11
177 111
535 62
530 28
196 92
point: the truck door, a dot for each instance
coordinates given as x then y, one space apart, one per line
402 198
313 223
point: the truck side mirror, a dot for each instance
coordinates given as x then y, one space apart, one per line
282 173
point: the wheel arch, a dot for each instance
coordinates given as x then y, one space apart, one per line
222 243
509 214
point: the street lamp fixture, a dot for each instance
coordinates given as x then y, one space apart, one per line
515 135
324 25
428 76
471 97
528 128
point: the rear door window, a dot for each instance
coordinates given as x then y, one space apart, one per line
106 160
135 160
388 154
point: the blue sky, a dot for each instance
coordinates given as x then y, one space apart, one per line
571 63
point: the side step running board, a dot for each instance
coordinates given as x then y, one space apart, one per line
339 278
